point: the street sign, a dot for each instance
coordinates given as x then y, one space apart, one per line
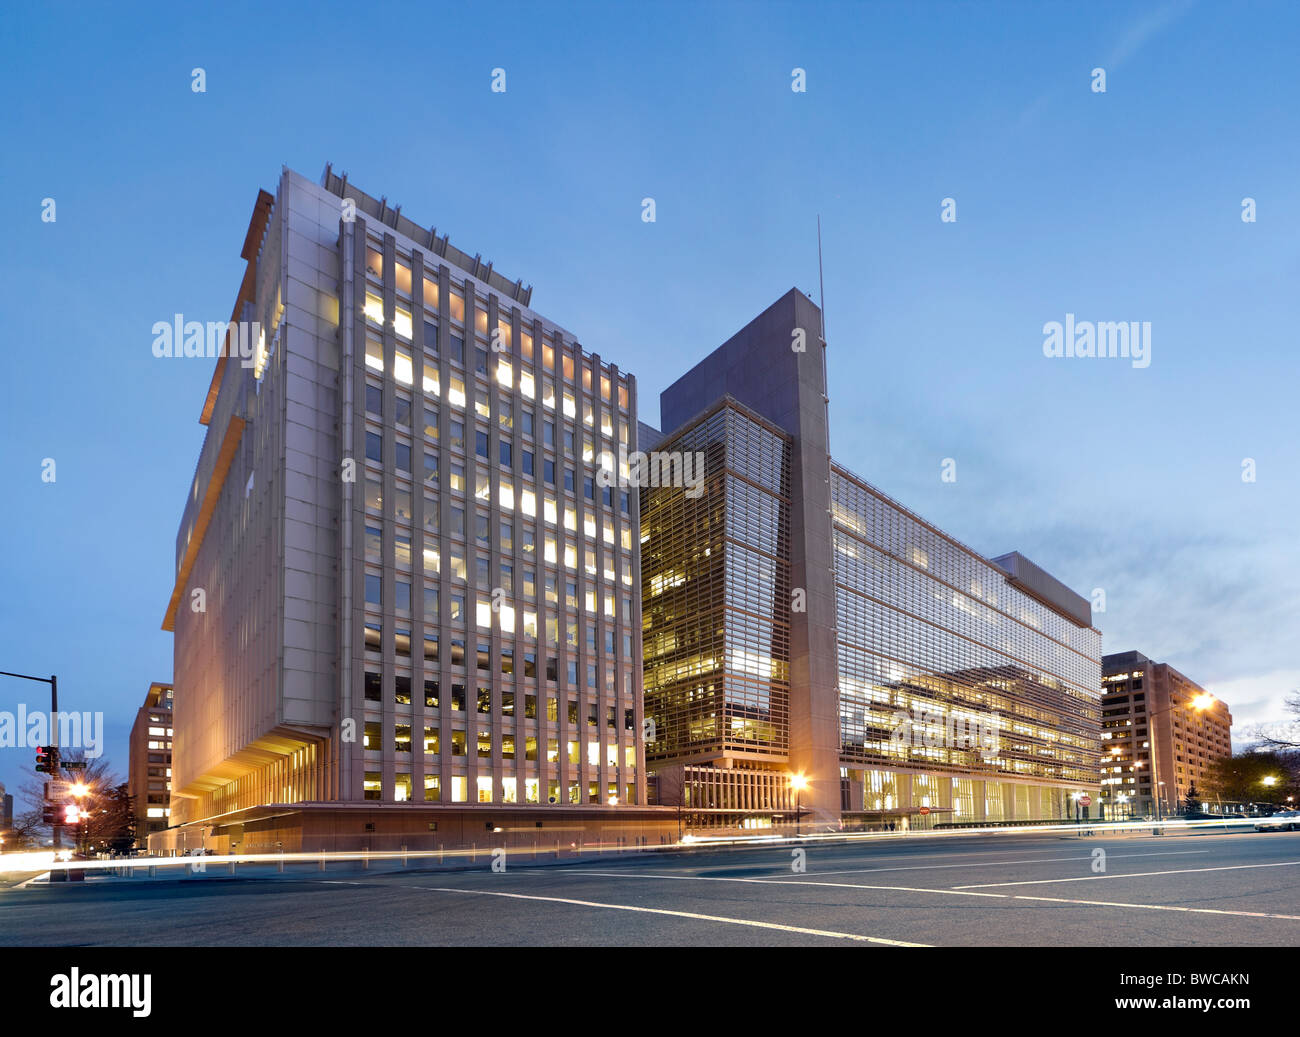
1085 801
924 811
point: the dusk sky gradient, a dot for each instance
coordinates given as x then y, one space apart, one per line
1121 206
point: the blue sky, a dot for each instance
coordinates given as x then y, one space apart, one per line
1123 205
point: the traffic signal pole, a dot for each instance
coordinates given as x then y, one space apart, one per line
53 682
54 755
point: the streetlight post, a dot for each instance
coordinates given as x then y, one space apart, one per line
798 782
1199 703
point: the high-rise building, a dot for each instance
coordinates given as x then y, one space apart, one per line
6 813
1151 711
814 648
149 779
406 599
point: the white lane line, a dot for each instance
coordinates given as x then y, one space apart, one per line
1162 907
792 882
964 893
679 914
993 864
1130 875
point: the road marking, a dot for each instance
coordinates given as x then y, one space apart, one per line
1130 875
991 864
678 914
792 882
1163 907
957 891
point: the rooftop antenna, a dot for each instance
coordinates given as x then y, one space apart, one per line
821 282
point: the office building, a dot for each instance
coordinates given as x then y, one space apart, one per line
1150 711
406 603
149 779
815 649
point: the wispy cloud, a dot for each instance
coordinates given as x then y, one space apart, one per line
1146 28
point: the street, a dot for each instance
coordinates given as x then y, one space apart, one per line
1206 888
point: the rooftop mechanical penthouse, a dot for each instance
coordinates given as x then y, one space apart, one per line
404 608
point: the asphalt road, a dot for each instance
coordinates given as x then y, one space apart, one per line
967 890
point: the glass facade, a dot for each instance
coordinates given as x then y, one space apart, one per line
947 668
715 593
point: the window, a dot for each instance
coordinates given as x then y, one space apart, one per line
374 447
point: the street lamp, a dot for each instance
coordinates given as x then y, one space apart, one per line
1201 702
798 782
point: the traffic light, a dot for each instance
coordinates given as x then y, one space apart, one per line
47 814
44 765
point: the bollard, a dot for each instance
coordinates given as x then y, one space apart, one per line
403 855
321 864
280 866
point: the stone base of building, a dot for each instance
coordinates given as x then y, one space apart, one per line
358 827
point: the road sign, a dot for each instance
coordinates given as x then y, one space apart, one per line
924 811
1085 801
